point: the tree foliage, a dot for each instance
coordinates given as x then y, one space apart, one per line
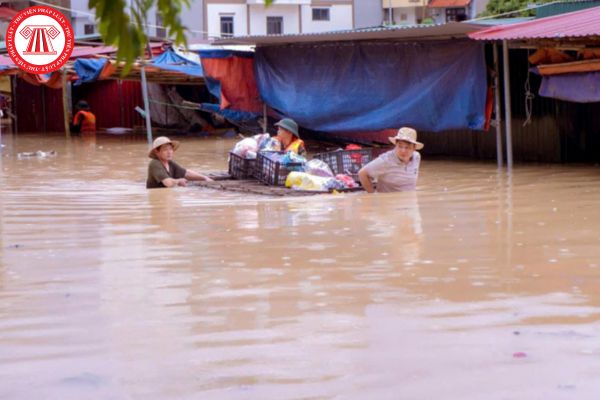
124 26
496 7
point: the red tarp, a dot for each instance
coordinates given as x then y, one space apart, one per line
238 82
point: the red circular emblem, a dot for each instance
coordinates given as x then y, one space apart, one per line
39 40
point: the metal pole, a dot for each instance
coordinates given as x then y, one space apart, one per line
265 118
507 111
390 11
65 103
497 101
147 107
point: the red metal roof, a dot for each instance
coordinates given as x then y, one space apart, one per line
448 3
92 51
570 25
6 14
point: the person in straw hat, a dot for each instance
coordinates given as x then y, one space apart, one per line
163 171
396 170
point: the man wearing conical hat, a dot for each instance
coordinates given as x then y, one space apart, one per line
396 170
163 171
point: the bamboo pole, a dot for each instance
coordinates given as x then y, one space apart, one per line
147 107
498 120
507 110
65 102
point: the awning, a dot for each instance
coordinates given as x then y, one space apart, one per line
578 24
448 3
400 32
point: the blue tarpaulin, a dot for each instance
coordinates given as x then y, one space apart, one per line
360 86
576 87
88 69
232 115
171 61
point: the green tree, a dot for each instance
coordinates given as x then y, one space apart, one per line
495 7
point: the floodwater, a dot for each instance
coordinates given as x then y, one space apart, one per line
479 286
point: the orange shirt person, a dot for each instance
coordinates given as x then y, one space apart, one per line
288 136
84 120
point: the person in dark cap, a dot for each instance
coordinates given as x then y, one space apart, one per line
84 120
288 136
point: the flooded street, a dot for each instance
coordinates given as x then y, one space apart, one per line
479 286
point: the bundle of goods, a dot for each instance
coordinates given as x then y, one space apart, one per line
273 167
306 181
242 159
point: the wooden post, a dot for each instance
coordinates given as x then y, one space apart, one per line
507 110
497 101
65 101
147 107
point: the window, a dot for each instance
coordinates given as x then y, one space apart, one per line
320 14
274 25
227 25
160 31
388 16
89 29
456 14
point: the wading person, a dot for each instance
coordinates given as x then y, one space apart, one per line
396 170
288 136
163 171
84 120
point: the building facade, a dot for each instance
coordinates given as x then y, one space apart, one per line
224 18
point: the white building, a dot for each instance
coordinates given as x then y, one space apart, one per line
404 12
83 20
251 17
216 18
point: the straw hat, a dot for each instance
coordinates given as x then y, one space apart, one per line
159 141
406 134
289 125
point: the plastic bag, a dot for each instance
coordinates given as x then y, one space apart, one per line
244 146
346 180
318 167
291 157
304 181
260 139
270 144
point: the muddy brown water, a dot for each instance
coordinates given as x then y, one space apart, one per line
479 286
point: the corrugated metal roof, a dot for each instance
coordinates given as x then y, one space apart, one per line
578 24
419 32
503 21
561 7
448 3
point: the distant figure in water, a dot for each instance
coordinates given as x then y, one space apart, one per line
288 136
163 171
84 120
396 170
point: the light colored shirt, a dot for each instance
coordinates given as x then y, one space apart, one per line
392 174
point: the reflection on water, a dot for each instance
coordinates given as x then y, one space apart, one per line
111 291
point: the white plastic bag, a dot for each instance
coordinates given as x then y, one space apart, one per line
245 146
